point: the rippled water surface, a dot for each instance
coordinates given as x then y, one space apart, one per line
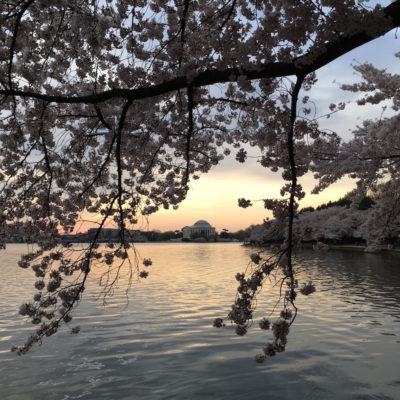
160 344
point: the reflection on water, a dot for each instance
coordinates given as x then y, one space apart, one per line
161 345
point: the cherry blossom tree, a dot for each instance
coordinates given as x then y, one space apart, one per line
372 156
108 109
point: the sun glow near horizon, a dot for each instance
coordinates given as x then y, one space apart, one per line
214 198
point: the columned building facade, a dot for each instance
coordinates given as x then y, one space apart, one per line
200 229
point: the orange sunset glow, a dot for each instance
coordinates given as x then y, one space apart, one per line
214 198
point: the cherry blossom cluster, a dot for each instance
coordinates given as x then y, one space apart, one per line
272 267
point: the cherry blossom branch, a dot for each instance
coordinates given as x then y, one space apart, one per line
119 167
70 294
56 37
189 133
182 29
14 39
302 65
101 117
101 169
232 101
292 199
229 15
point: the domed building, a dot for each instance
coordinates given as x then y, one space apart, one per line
201 228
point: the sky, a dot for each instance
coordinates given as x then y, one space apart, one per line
214 196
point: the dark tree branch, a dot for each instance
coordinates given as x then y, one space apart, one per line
100 171
226 100
46 158
56 37
118 158
228 17
151 164
292 200
189 133
183 27
101 117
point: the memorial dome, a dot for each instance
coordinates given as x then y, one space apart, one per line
202 223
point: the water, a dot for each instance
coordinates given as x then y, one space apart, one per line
345 343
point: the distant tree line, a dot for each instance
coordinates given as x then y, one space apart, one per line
344 221
364 204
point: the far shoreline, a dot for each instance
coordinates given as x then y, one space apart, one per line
334 247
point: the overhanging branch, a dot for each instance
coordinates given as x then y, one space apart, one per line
299 66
